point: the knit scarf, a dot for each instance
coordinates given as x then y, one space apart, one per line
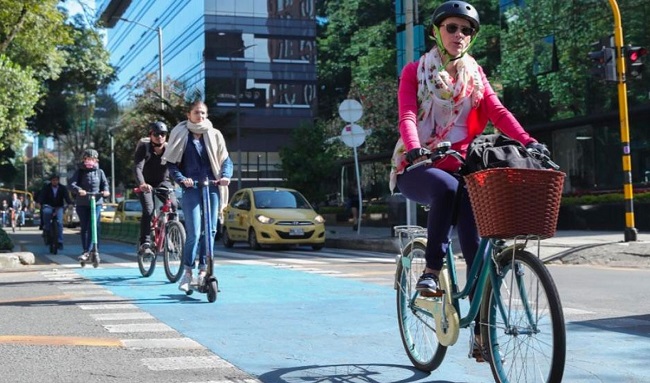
216 145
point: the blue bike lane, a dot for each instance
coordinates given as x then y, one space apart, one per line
285 325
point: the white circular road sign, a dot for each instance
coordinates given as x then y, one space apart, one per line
350 110
353 135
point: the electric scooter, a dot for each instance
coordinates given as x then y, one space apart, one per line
210 284
93 254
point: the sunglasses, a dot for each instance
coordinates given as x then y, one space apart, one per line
453 28
159 134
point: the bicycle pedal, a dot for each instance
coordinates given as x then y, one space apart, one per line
432 294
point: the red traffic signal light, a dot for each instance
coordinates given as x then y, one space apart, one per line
634 61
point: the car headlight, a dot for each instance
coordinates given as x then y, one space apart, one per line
319 219
264 219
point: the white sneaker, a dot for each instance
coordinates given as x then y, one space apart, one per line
201 279
184 283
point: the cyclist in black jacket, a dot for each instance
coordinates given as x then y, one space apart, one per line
53 196
149 174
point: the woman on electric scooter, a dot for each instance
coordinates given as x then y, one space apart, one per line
197 150
88 178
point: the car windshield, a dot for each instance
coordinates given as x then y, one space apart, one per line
280 199
132 206
108 208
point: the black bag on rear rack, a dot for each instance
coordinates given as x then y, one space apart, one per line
489 151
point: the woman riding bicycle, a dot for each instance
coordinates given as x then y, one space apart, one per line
197 150
445 96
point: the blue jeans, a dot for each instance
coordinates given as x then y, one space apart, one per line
192 207
47 217
84 222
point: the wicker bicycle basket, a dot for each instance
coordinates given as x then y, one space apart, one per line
509 202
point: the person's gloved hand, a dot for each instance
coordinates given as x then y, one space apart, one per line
416 153
538 147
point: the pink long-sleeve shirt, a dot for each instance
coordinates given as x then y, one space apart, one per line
490 108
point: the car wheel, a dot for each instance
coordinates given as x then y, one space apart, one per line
227 242
252 240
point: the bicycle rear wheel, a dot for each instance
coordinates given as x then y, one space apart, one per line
522 324
417 327
173 256
53 238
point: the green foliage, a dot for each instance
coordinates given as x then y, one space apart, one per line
19 91
595 199
570 91
307 162
5 241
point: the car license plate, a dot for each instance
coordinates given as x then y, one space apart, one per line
296 232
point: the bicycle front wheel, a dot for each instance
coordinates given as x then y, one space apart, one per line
147 262
417 327
173 256
522 324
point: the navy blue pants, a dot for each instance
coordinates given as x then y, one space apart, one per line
437 189
84 222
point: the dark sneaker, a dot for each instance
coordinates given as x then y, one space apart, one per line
145 247
60 246
428 285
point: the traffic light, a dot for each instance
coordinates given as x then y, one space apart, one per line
634 61
603 57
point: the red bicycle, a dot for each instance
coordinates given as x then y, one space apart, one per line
168 238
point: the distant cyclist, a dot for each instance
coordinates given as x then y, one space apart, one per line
149 174
53 196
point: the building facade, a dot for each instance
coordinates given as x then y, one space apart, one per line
253 58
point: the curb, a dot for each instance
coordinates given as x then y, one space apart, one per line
380 245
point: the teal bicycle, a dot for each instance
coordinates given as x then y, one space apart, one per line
520 317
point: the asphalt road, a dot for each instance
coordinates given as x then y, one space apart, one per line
281 316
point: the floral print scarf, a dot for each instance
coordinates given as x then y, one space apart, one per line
438 91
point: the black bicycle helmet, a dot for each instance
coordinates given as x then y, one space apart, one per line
158 127
90 153
457 9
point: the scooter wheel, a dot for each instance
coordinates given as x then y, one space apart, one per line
189 292
96 260
83 264
212 289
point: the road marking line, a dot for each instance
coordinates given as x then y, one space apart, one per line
186 363
60 341
138 327
183 343
80 286
122 316
108 306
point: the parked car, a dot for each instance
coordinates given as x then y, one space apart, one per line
272 216
70 217
108 212
128 210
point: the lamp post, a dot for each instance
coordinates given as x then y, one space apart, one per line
239 162
160 58
112 133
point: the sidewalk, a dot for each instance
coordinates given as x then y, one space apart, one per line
567 246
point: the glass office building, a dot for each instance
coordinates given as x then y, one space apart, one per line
255 58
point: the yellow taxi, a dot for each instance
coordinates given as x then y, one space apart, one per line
108 212
272 216
128 210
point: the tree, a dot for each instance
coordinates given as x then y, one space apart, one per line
308 162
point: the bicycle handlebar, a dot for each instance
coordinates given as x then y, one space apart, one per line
444 149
